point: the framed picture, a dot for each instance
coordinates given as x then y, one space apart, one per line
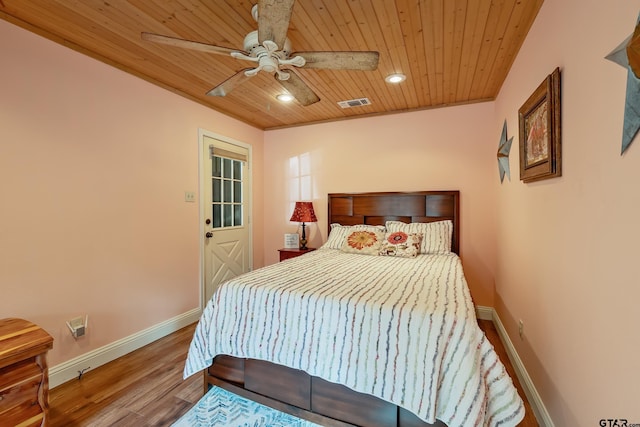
291 241
540 136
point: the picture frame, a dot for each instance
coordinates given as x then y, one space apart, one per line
291 241
540 132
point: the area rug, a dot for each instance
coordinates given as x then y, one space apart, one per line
220 407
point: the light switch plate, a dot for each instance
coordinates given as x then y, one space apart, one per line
190 196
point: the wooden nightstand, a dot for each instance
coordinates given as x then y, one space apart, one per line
24 376
292 253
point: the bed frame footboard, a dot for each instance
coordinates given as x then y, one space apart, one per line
304 396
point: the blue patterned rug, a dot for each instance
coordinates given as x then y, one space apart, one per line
220 407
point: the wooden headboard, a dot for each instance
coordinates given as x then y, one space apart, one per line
378 208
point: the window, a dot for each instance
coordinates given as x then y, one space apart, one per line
300 180
227 192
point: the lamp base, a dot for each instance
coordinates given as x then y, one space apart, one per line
303 239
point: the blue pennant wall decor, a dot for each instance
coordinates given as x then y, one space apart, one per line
626 54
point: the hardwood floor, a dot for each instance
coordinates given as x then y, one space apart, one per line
145 387
492 334
142 388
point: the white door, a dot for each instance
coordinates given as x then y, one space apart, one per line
225 214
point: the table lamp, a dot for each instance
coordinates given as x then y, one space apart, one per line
303 212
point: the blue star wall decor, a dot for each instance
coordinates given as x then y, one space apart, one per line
627 54
503 153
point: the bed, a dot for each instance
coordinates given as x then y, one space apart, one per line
345 339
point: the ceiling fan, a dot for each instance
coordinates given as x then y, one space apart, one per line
270 49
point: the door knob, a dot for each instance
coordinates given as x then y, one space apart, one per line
208 235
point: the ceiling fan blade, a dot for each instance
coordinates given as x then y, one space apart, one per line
188 44
365 61
228 85
298 88
273 20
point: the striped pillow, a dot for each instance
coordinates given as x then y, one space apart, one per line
436 236
339 233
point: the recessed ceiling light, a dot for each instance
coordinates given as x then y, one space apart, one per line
285 97
395 78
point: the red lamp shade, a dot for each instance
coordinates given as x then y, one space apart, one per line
303 212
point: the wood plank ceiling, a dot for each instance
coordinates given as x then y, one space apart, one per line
452 51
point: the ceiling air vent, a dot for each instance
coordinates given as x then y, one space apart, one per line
359 102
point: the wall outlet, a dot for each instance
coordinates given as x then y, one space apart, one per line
78 326
520 328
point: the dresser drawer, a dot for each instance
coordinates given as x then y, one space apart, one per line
287 385
342 403
19 384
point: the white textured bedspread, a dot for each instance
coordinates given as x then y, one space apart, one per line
401 329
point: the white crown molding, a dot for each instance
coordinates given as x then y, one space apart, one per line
70 369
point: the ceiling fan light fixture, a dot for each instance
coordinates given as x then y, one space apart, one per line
285 97
270 50
395 78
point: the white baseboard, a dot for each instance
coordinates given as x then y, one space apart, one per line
539 410
66 371
484 313
70 369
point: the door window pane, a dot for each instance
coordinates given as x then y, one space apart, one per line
237 215
226 168
228 219
237 192
217 191
217 166
217 218
227 191
227 188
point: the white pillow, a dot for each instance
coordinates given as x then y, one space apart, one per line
436 236
338 234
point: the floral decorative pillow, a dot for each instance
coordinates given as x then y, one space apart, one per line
363 242
436 236
339 233
401 244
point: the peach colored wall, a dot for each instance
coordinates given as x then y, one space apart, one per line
442 149
94 163
568 247
93 168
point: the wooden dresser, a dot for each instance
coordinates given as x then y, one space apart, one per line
24 380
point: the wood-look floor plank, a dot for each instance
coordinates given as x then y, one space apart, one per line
145 388
117 417
492 334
